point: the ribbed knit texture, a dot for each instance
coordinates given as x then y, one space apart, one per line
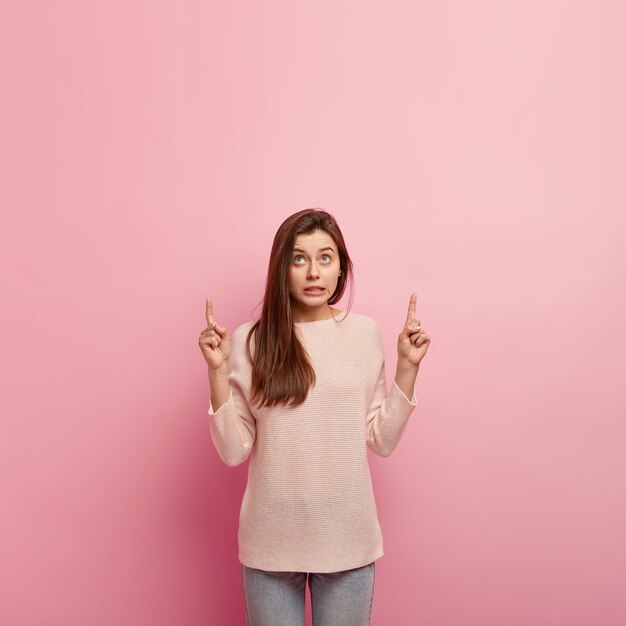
309 504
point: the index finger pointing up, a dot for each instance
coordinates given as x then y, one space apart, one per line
411 313
209 312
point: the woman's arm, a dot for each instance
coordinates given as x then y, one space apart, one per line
388 413
232 424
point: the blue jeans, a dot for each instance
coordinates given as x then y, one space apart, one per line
337 598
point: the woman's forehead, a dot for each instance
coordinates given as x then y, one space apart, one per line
314 241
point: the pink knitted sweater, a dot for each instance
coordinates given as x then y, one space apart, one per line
309 505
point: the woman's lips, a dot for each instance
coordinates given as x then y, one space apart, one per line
314 292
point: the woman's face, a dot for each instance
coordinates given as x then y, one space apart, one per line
314 261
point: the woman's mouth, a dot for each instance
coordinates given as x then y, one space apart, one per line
314 291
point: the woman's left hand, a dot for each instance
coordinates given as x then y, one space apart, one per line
413 342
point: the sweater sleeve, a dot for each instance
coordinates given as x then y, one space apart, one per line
233 426
388 413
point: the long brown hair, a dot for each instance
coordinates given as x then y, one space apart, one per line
281 370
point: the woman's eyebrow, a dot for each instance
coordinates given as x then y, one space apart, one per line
320 250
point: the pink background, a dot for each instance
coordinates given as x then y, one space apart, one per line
471 152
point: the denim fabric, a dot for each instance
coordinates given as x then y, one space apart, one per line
337 598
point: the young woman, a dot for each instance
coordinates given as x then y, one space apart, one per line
302 391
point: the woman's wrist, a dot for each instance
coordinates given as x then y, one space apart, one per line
406 373
220 385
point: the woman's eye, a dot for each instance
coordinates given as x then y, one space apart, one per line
324 256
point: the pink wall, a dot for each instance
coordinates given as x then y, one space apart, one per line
472 152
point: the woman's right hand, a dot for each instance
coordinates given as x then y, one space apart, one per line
214 340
